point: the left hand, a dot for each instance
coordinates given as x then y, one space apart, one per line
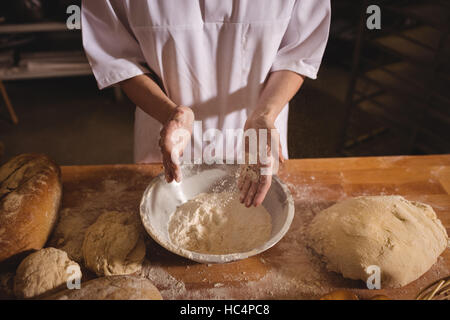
174 137
252 184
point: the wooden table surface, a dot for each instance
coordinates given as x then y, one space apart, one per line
289 270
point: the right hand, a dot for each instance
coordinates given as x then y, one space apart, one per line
252 183
174 137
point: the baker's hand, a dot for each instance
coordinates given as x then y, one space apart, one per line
255 179
174 137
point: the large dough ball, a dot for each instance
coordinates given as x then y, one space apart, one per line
403 238
112 288
114 245
44 272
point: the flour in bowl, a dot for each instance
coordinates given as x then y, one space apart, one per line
217 223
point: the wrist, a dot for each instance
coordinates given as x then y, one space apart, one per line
174 111
265 115
183 111
182 114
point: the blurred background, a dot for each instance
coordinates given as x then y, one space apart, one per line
379 92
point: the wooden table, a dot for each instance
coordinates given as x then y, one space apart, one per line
289 270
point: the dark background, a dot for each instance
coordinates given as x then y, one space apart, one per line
390 97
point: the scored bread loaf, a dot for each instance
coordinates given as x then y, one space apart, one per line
123 287
30 196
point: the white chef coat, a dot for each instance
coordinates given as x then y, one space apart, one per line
213 56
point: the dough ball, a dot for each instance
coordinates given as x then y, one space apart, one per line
6 285
403 238
112 288
70 231
44 272
114 245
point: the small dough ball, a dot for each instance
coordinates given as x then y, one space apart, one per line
6 285
124 287
43 272
114 245
403 238
340 295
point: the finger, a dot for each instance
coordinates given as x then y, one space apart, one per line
241 176
168 169
166 175
174 169
169 162
177 173
280 152
169 176
251 194
263 188
241 181
244 189
267 168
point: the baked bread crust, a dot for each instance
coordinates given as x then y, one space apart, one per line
30 197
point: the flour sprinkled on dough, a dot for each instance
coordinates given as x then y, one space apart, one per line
217 223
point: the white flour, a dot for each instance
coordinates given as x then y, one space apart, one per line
217 223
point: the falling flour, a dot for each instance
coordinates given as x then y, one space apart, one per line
217 223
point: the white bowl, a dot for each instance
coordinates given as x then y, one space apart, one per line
161 199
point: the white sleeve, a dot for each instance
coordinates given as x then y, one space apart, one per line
304 42
111 48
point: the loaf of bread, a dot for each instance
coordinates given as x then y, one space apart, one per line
124 287
30 196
